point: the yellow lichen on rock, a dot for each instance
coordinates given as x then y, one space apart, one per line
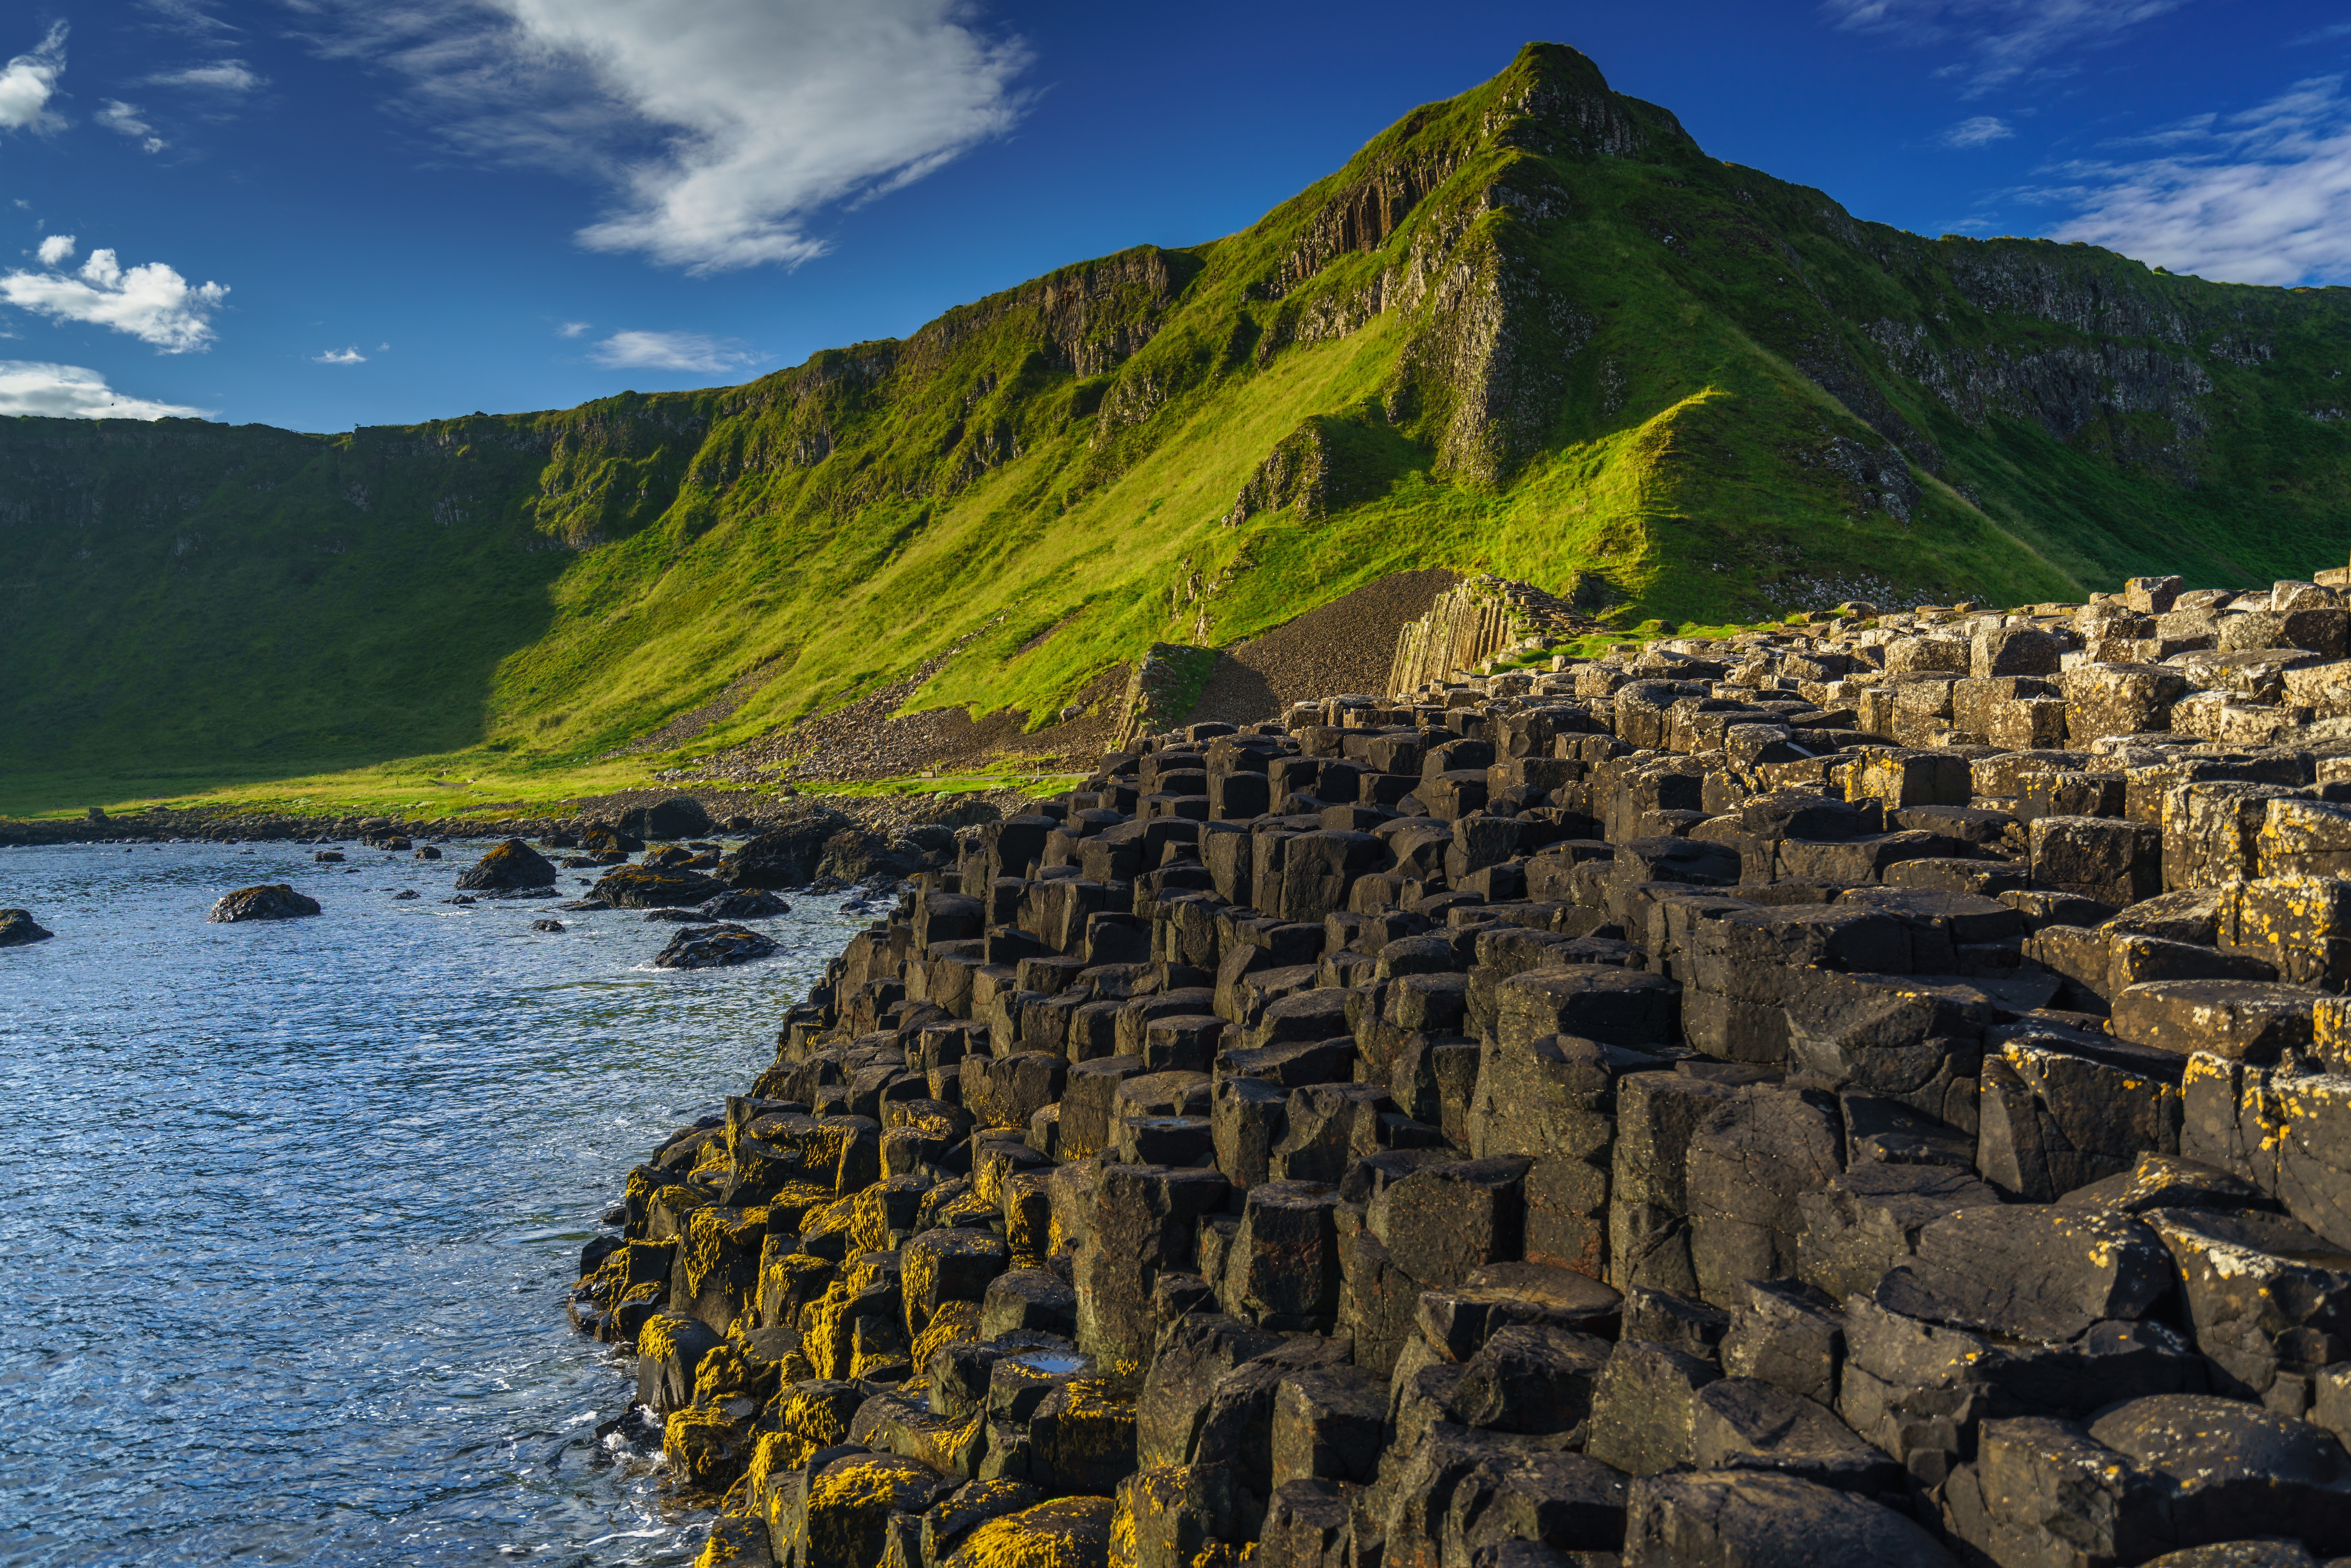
1070 1532
955 1322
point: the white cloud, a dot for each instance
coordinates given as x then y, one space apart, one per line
57 250
1982 131
224 76
2005 39
350 356
117 115
28 82
667 351
572 329
725 128
189 17
151 302
2259 197
69 391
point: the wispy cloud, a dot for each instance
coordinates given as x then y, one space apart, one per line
350 356
1982 131
191 17
221 76
724 129
572 329
2003 40
151 302
119 116
2326 34
2259 197
69 391
668 351
28 82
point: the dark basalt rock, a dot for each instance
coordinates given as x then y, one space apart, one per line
642 887
1641 1164
274 901
679 817
713 946
18 929
511 865
785 856
745 904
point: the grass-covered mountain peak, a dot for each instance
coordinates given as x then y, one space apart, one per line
1533 331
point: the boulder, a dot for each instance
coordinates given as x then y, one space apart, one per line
785 856
656 887
679 817
18 928
510 866
745 904
272 900
712 947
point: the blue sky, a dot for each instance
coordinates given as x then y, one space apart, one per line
325 212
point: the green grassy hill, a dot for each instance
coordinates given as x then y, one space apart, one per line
1534 330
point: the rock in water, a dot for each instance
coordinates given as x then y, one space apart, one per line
17 927
679 817
547 925
513 864
713 946
785 856
653 887
272 900
745 905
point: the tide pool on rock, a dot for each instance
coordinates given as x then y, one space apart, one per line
290 1200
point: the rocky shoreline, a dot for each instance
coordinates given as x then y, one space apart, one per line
1872 1091
644 815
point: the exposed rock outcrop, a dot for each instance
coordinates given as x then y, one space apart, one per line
510 867
271 901
18 929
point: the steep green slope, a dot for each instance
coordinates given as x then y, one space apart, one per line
1533 331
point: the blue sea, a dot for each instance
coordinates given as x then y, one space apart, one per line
291 1208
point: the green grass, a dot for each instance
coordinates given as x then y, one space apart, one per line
1675 385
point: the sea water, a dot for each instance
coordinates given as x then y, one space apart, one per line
288 1210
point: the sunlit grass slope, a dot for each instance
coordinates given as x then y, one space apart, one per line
1533 331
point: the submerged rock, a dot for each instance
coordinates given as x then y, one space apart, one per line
18 928
512 865
713 946
677 916
272 900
